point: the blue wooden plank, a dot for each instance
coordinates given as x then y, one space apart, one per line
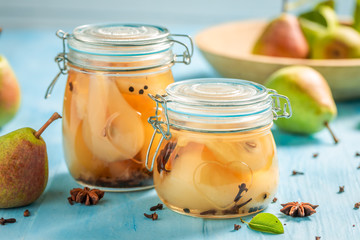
120 215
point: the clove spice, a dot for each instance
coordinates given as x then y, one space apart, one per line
236 227
315 155
26 213
159 206
153 216
317 238
209 212
71 87
357 205
341 189
274 200
242 188
9 220
294 173
357 154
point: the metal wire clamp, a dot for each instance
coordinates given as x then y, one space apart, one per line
187 54
157 124
279 111
61 60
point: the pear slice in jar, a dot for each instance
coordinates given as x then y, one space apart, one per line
257 152
142 85
112 129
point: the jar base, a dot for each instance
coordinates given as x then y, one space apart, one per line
115 189
211 215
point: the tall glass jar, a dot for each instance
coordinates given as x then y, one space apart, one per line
217 156
111 70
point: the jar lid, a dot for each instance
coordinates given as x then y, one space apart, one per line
216 97
120 34
221 104
120 40
214 91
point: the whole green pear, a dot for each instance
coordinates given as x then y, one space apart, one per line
23 166
338 43
282 37
310 98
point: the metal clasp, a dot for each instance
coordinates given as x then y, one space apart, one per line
187 54
61 60
157 124
279 111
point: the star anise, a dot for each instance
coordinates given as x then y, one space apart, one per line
296 209
86 195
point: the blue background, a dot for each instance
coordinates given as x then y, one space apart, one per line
29 43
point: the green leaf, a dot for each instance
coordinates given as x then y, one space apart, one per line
266 222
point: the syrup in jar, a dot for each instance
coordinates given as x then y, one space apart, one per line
217 155
111 70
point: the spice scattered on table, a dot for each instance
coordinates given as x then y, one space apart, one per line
315 155
341 189
317 238
353 225
153 216
294 173
86 196
9 220
159 206
295 209
26 213
236 227
357 154
358 167
274 200
357 205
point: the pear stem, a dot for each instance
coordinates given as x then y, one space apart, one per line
336 140
284 6
42 129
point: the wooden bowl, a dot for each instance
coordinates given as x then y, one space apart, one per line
228 47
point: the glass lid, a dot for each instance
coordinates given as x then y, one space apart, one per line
215 91
218 97
120 34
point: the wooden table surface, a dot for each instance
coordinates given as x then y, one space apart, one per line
31 52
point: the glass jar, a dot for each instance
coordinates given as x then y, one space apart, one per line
217 156
111 70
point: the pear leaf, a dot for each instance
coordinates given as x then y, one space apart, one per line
266 222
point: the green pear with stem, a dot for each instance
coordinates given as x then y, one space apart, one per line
23 166
310 98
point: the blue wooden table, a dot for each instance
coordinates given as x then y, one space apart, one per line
120 215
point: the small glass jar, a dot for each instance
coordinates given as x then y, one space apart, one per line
111 69
217 156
